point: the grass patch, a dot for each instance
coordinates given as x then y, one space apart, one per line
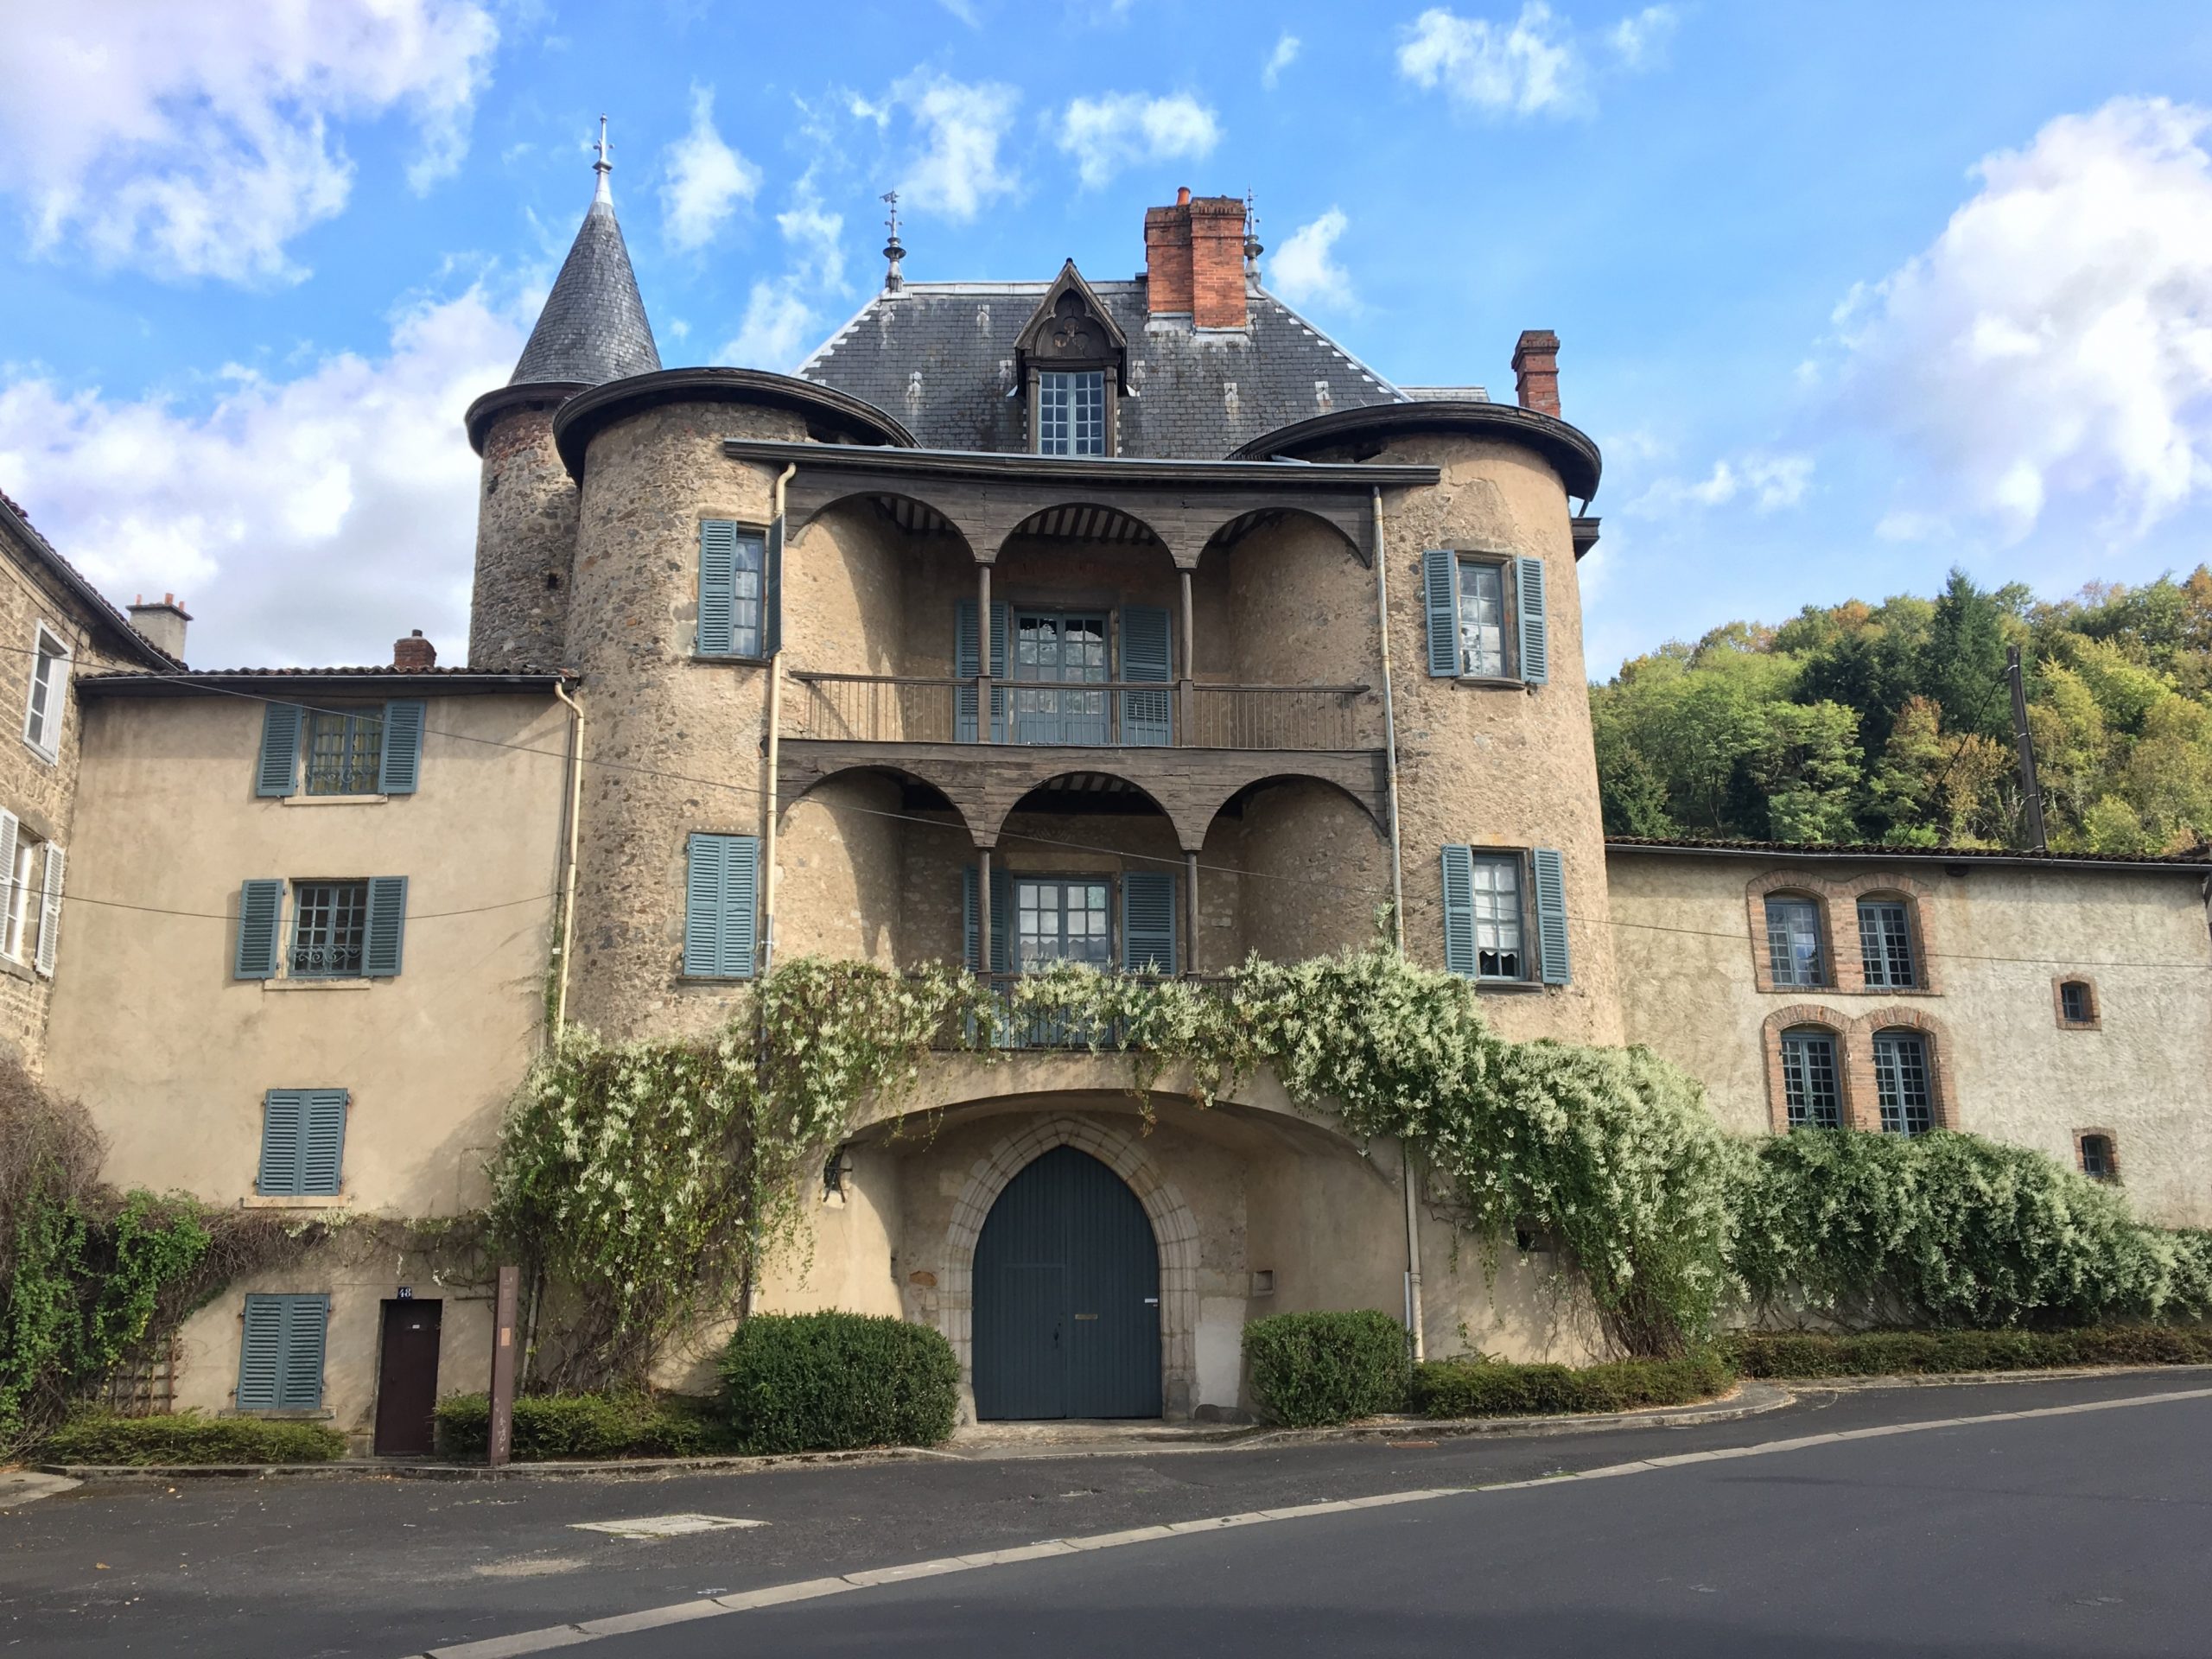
1915 1353
1464 1387
189 1438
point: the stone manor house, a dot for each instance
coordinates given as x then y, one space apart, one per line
1128 621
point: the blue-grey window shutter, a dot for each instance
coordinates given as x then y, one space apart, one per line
299 1380
772 592
282 1130
721 900
261 1355
1001 919
1460 911
717 587
971 922
1439 586
1535 633
1148 922
260 906
322 1139
279 771
1147 658
1551 915
403 748
967 664
383 935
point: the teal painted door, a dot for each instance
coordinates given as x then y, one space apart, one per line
1067 1296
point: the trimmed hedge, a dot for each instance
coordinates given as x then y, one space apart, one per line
1313 1369
1462 1388
832 1380
1909 1353
580 1427
187 1436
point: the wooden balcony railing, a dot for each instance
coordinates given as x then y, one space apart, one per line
1104 713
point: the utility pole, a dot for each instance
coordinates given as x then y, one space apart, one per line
2031 791
500 1436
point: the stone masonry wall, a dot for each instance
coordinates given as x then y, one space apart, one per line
525 546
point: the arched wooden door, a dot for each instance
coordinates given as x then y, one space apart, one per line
1067 1296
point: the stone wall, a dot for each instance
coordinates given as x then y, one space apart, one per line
1690 949
525 546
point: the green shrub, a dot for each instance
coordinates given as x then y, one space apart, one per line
1309 1369
187 1436
583 1427
830 1381
1909 1353
1461 1388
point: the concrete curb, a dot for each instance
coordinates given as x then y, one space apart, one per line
1747 1400
1965 1379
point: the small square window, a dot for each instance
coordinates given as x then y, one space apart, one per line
329 925
345 752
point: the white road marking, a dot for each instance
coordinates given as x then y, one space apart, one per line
663 1526
561 1636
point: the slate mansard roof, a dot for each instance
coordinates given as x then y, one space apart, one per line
940 358
592 328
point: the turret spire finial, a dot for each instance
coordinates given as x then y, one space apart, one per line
893 251
602 166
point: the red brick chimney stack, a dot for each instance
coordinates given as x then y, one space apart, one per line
1194 260
414 651
1535 370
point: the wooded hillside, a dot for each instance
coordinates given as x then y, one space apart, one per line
1892 722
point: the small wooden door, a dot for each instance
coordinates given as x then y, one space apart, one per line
407 1378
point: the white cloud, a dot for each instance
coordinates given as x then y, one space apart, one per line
2054 343
781 317
1528 68
1303 269
1281 58
310 521
964 10
707 180
958 172
196 140
1770 481
1119 130
1640 41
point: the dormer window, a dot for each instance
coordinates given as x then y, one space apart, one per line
1072 412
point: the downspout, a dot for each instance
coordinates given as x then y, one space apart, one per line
775 750
569 880
1407 1177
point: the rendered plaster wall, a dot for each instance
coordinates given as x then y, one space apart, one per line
1505 767
674 740
1999 938
525 546
170 823
840 863
1317 869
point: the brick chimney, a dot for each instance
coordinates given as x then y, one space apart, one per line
162 625
1194 260
1535 370
414 651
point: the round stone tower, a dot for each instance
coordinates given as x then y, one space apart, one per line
593 330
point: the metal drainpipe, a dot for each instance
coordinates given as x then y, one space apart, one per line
775 736
568 881
1407 1177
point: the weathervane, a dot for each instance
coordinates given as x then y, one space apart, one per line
1252 248
894 280
602 166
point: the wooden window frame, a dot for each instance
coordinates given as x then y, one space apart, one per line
1837 898
1509 621
2096 1019
52 676
2111 1177
1855 1034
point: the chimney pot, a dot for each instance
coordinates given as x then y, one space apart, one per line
1182 196
162 625
414 653
1535 370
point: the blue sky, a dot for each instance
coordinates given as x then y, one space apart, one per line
1847 293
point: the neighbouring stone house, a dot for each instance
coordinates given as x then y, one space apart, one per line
1130 622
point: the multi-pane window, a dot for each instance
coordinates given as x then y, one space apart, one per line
1901 1082
49 681
1071 413
15 927
1809 1080
2098 1161
1482 619
1885 944
1057 650
1793 941
329 922
1061 920
345 752
1499 952
2077 1005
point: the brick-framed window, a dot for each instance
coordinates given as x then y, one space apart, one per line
1893 1064
1905 1088
1873 932
1797 953
2075 1001
1888 958
2097 1153
1812 1077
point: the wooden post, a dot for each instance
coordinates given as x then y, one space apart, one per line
501 1441
983 964
983 733
1187 693
1191 912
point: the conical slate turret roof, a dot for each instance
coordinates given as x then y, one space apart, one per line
594 326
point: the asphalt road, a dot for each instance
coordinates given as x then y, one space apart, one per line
2087 1532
